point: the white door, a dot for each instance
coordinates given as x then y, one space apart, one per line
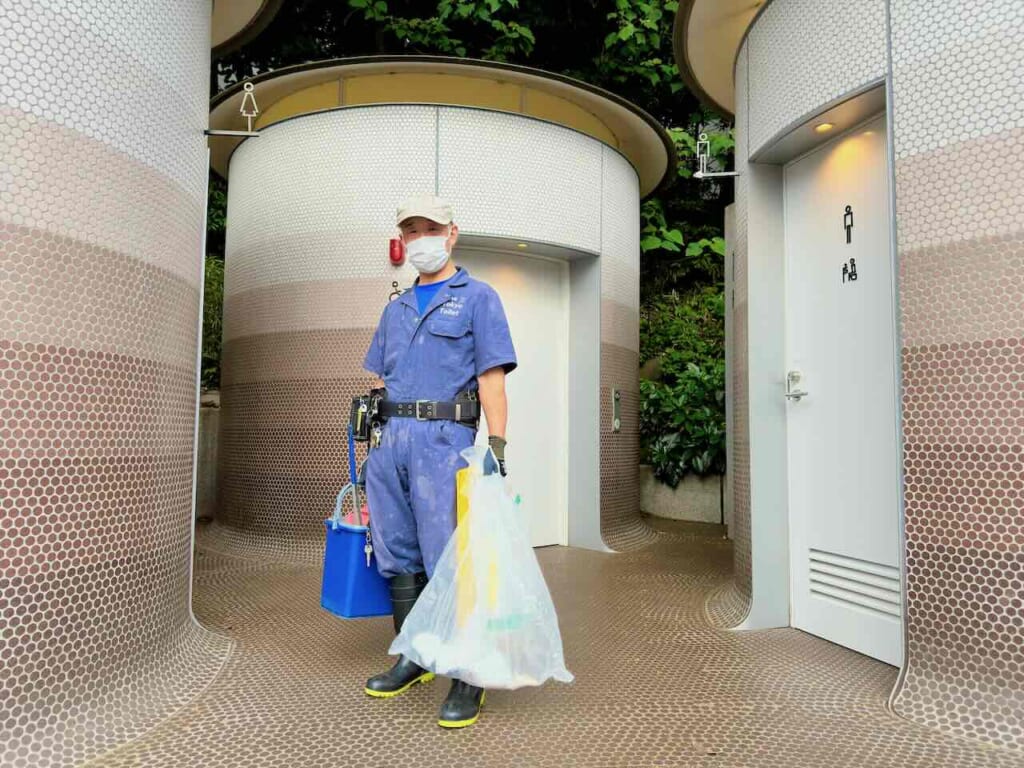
534 292
844 477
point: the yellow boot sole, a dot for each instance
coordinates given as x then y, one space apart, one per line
424 678
464 723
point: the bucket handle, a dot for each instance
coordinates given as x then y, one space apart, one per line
338 517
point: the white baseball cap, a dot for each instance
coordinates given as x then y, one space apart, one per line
428 206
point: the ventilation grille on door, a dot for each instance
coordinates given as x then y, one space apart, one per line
873 586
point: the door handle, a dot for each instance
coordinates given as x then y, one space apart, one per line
793 392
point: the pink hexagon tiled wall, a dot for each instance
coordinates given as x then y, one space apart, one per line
958 130
102 110
958 123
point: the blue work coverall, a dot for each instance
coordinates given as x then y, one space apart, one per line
410 477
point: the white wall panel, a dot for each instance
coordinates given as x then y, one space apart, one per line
515 177
620 228
130 48
807 53
983 96
314 198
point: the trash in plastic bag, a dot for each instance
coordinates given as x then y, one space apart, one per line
486 616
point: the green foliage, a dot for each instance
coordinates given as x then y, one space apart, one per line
213 291
639 44
690 327
453 22
682 403
213 322
672 265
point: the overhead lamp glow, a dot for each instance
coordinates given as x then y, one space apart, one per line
521 245
824 127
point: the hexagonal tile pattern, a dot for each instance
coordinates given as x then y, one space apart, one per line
124 76
741 591
804 54
102 107
980 92
958 131
541 163
655 684
621 527
958 122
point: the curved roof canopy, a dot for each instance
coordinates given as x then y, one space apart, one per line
236 22
341 83
706 39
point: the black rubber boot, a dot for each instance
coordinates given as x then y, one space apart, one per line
462 707
405 589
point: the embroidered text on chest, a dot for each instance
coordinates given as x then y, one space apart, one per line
452 307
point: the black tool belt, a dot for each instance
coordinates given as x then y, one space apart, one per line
464 411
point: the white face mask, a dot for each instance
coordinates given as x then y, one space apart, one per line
428 254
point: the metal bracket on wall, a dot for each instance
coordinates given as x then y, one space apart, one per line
703 155
616 410
249 110
702 175
210 132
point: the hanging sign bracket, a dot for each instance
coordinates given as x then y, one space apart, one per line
703 154
248 110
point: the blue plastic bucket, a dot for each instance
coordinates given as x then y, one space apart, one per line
350 589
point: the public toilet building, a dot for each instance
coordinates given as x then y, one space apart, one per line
876 335
545 176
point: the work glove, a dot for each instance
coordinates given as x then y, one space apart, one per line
497 445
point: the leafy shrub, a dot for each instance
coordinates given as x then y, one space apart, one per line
213 322
682 398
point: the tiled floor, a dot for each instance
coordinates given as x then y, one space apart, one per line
657 684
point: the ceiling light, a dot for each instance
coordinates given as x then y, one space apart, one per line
824 127
521 245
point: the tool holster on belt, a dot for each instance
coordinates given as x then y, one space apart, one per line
366 413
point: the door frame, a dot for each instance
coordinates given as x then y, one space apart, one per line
895 351
565 268
765 297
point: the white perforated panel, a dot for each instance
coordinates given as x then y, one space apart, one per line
314 198
736 604
516 177
983 95
102 192
148 54
806 53
620 231
958 122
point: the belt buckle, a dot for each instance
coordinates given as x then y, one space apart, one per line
418 404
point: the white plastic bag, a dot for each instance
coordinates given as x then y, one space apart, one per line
486 616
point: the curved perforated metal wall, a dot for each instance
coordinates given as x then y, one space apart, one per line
104 173
958 122
959 149
731 605
804 54
621 526
311 207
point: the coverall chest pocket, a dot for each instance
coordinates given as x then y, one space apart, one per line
453 342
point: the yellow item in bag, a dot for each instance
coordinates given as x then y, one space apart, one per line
464 584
